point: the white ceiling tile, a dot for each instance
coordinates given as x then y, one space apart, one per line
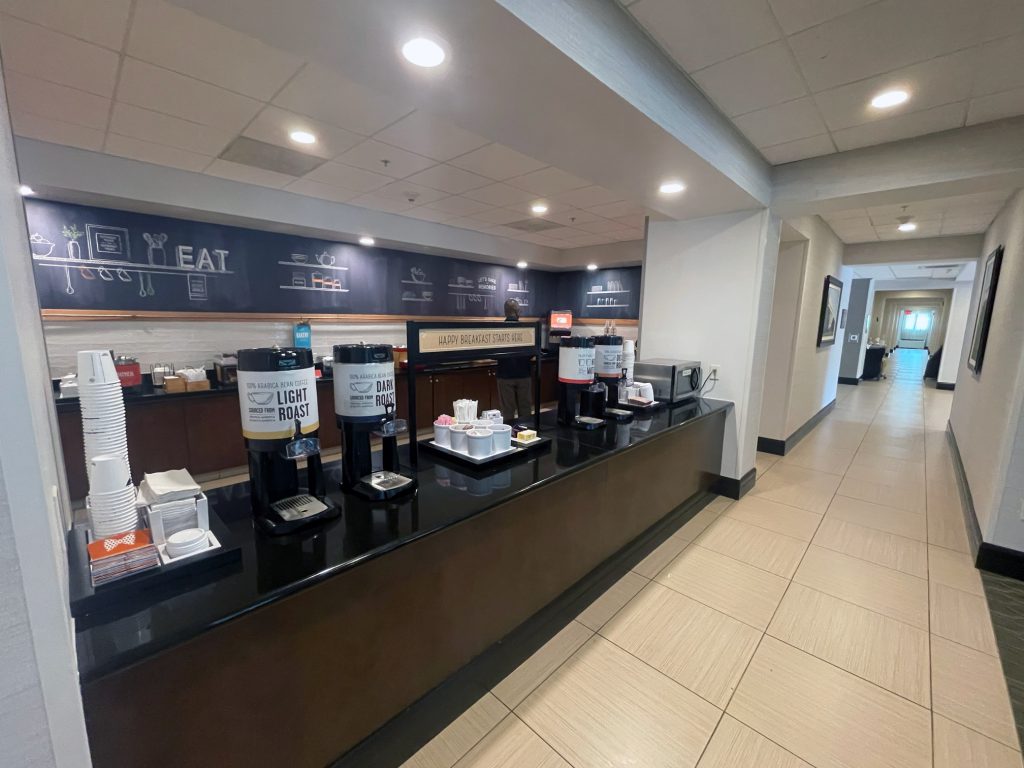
430 136
795 15
158 154
248 174
1000 66
998 18
273 126
882 37
572 217
627 234
345 176
500 194
853 213
498 215
100 21
588 196
615 210
139 123
58 58
56 131
902 127
563 232
467 223
145 85
448 178
924 229
371 155
459 206
890 218
697 33
791 151
500 231
324 191
377 203
498 162
964 227
633 221
601 226
429 214
584 240
404 190
996 107
752 81
798 119
549 181
185 42
326 95
934 83
57 102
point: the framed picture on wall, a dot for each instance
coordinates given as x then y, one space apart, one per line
828 325
989 280
842 319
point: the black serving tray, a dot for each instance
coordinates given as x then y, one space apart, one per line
516 452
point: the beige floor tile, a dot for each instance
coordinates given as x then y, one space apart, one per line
946 527
532 672
960 747
661 556
880 446
897 595
717 506
458 738
826 716
770 551
883 651
823 458
910 496
781 518
512 745
871 466
696 646
726 584
734 745
968 686
605 707
954 569
693 527
897 552
798 487
607 605
962 618
912 525
765 461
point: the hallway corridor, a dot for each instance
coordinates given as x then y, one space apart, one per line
831 618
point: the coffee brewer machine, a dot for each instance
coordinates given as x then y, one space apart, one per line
277 394
581 400
364 403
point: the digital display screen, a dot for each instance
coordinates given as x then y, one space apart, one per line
561 320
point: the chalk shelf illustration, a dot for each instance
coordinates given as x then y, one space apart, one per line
478 292
319 277
110 259
417 288
612 295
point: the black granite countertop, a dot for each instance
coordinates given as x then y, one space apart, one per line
270 568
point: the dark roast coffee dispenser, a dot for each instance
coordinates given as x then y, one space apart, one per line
580 399
364 403
280 421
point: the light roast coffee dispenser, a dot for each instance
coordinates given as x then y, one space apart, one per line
277 394
364 403
580 399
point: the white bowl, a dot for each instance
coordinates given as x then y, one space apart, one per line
481 443
186 542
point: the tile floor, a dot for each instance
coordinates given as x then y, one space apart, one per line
830 619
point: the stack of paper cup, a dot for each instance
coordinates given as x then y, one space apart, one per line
111 501
102 403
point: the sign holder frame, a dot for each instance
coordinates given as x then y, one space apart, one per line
417 357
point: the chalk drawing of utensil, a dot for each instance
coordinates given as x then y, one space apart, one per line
41 247
155 253
123 276
325 258
69 288
149 284
104 273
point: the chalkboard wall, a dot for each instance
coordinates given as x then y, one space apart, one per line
101 259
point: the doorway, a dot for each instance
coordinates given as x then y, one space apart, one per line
916 325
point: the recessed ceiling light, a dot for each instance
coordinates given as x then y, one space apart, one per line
888 99
539 208
671 187
592 267
302 137
366 240
423 52
522 264
907 226
26 191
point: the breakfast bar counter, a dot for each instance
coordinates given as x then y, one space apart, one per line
327 634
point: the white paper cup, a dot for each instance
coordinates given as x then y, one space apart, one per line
481 443
502 437
107 473
457 436
96 366
482 424
442 435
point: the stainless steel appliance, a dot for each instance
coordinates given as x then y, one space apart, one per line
673 380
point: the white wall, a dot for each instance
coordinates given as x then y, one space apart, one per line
707 291
986 414
929 249
813 373
789 284
41 719
956 329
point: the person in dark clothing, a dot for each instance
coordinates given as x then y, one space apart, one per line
514 381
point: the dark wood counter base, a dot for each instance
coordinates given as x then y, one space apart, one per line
302 680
